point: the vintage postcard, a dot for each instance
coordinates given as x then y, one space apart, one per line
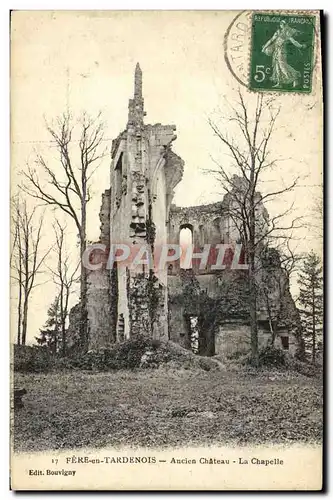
166 250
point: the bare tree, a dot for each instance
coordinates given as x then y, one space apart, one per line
64 276
249 149
69 188
27 259
316 224
16 264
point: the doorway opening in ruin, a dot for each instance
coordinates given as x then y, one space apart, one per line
285 342
185 241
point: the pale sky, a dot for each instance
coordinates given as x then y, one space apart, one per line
86 61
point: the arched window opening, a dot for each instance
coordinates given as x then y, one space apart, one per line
119 179
185 242
215 233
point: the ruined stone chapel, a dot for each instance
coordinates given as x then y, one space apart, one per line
204 310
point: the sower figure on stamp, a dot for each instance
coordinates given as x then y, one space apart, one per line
283 73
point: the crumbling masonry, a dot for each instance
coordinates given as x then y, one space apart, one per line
204 310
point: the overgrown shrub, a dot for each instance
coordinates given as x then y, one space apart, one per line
142 352
138 352
205 364
32 359
236 355
156 343
304 367
121 356
271 356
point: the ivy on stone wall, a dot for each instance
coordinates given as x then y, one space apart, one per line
154 297
150 232
231 300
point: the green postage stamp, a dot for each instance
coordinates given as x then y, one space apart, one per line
282 52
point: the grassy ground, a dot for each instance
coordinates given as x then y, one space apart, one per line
165 408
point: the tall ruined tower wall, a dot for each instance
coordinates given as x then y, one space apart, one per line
143 173
100 303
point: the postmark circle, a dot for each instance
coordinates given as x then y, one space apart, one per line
237 46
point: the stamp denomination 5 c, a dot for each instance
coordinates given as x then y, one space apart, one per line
282 52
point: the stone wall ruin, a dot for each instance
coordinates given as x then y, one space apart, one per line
204 310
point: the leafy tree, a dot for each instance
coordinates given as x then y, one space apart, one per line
51 334
311 303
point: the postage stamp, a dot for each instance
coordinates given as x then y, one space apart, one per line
282 52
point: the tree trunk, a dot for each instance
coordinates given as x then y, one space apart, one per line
83 281
25 286
55 341
19 314
253 311
25 321
313 327
84 315
252 270
63 336
270 320
63 314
